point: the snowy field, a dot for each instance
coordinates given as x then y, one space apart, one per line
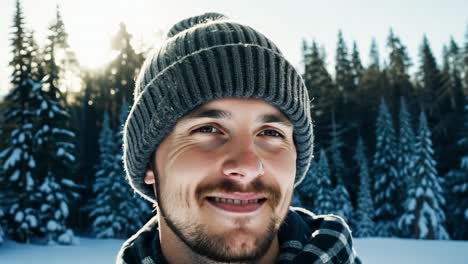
372 250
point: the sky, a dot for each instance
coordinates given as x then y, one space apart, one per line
91 23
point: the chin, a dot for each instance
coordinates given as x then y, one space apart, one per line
243 245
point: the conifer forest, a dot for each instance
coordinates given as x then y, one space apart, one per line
390 152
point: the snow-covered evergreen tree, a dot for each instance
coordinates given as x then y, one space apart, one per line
137 210
363 224
18 164
116 212
296 201
337 164
341 200
1 229
308 187
54 149
343 206
406 151
18 171
103 205
424 217
457 188
457 201
323 202
464 58
385 173
56 197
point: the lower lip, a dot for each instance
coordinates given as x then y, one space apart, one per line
237 208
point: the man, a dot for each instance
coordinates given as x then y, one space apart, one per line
218 137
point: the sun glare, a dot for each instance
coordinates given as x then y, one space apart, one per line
91 25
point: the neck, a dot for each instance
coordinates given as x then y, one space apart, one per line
175 251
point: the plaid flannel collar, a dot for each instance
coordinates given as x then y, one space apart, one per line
304 238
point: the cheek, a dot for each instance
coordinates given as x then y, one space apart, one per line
282 163
187 162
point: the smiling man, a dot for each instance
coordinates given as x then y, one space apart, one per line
218 137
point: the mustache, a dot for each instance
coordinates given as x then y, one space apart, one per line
271 191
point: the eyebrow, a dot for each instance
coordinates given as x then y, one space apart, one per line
221 114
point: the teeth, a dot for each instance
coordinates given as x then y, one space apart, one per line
235 201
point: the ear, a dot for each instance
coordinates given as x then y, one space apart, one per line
149 176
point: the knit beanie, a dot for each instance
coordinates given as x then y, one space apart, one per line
204 58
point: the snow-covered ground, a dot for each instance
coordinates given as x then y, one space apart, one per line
410 251
372 250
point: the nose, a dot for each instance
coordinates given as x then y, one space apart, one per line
243 162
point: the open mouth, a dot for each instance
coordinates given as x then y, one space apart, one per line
236 205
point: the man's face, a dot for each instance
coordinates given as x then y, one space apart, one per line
225 177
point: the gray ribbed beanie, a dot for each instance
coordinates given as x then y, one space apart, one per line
204 58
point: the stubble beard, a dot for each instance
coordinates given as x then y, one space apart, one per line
214 247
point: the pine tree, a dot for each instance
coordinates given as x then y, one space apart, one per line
371 81
63 55
1 229
58 28
116 212
430 80
343 74
54 149
452 105
343 205
304 52
385 173
323 202
122 70
296 200
338 167
37 69
369 92
317 79
308 188
357 70
364 226
137 210
18 171
341 199
406 150
436 93
424 217
87 148
321 89
374 57
57 196
465 59
457 187
452 76
103 204
399 63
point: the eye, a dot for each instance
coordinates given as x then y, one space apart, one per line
207 130
271 133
